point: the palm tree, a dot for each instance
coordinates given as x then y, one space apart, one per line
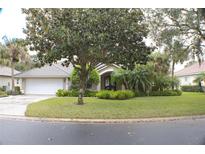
14 51
199 79
140 79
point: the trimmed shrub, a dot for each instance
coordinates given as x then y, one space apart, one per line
74 93
119 95
2 89
90 93
62 93
140 94
166 93
17 91
104 94
3 94
195 88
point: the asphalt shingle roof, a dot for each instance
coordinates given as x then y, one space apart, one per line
192 70
6 71
55 70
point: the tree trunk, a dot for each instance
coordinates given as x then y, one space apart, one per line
125 84
12 78
82 84
173 66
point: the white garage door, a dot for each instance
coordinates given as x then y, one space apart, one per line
43 86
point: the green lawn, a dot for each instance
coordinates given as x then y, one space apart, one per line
139 107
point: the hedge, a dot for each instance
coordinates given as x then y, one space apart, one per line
74 93
195 88
118 95
166 93
2 94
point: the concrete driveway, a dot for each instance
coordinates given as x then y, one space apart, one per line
16 105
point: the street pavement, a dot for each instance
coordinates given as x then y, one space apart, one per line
16 105
178 132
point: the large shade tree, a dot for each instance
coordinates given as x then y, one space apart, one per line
186 23
85 37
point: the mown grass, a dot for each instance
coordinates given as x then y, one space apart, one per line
139 107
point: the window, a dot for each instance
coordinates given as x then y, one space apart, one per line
17 81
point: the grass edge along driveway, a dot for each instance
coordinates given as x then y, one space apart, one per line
139 107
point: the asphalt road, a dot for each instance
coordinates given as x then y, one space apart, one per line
151 133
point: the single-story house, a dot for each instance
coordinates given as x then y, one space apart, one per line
5 78
189 74
49 78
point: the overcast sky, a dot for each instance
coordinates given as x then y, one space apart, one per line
13 22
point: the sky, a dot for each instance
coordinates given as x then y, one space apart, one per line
12 22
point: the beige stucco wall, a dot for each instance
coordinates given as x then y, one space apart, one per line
187 80
6 81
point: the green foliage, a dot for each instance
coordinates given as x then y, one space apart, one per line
14 52
93 79
3 93
139 79
161 62
191 88
122 76
90 93
104 94
2 89
186 24
17 90
75 79
161 79
166 93
146 78
74 93
200 77
62 93
86 37
119 95
163 82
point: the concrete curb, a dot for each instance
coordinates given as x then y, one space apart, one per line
164 119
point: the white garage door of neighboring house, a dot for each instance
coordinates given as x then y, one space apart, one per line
43 86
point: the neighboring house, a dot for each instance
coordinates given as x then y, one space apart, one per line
48 79
5 78
189 74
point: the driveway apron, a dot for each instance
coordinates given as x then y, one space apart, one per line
16 105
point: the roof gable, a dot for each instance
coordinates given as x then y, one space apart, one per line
192 70
6 71
54 70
